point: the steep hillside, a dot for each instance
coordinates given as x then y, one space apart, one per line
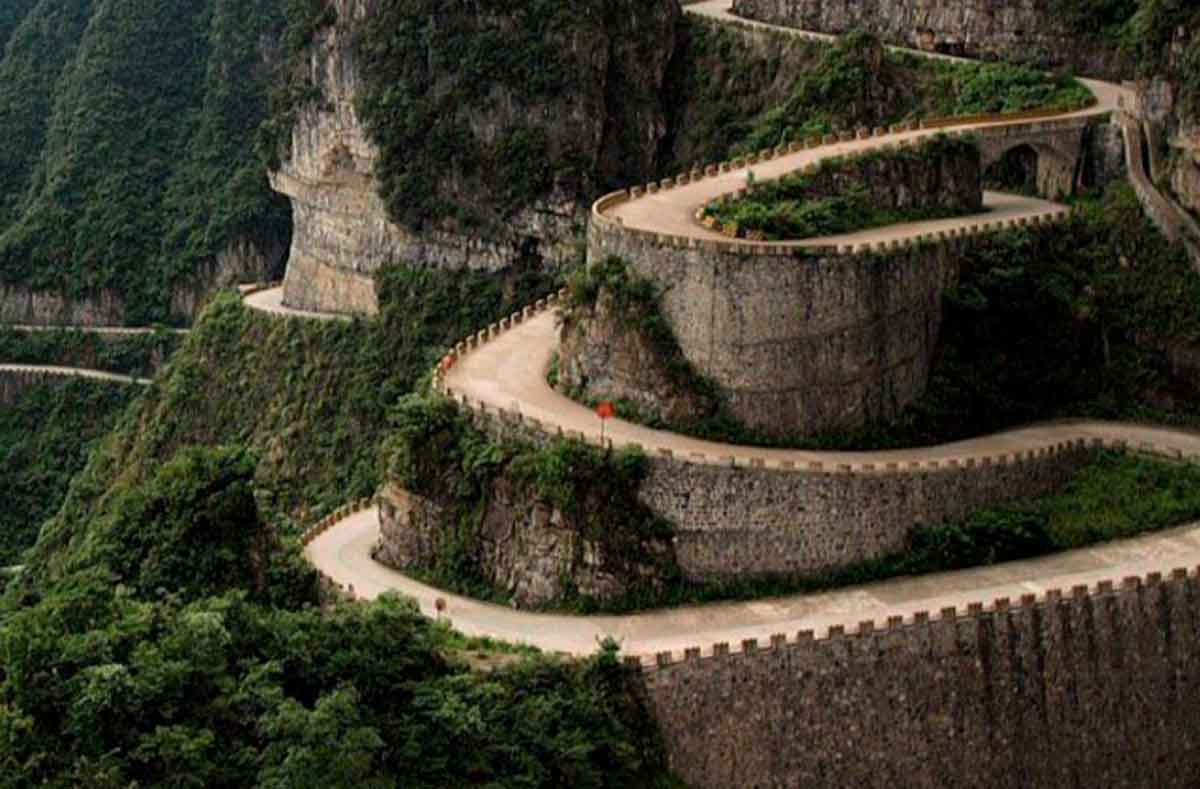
44 442
130 178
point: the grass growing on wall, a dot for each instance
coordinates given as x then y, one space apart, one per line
44 441
838 198
1114 497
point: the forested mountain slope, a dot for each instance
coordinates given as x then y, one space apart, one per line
130 176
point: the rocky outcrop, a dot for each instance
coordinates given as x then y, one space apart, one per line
604 126
604 354
1039 32
526 549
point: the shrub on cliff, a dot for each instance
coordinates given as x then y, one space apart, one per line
320 390
100 688
192 528
438 454
859 83
484 109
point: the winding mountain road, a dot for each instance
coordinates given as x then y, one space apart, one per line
344 554
508 372
270 301
74 372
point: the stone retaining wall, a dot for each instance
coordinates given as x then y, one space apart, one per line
743 515
745 522
802 338
801 344
1097 687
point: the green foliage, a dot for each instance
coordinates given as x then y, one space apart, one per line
193 526
972 88
130 354
1115 497
129 159
1151 36
221 692
859 83
291 85
45 438
435 452
1058 322
838 197
311 398
431 68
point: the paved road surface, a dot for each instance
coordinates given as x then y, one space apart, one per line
271 301
75 372
343 553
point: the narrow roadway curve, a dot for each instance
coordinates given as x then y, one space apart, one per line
343 553
673 211
74 372
270 301
113 331
508 372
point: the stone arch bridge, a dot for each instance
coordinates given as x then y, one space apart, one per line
1059 145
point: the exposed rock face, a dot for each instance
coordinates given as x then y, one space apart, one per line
343 230
1030 31
603 355
1104 159
527 549
1173 129
242 261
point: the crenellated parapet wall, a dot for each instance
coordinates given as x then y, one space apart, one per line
1094 687
807 336
747 513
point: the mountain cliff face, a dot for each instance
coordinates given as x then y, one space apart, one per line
465 135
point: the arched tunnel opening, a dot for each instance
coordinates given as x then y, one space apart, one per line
1015 172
